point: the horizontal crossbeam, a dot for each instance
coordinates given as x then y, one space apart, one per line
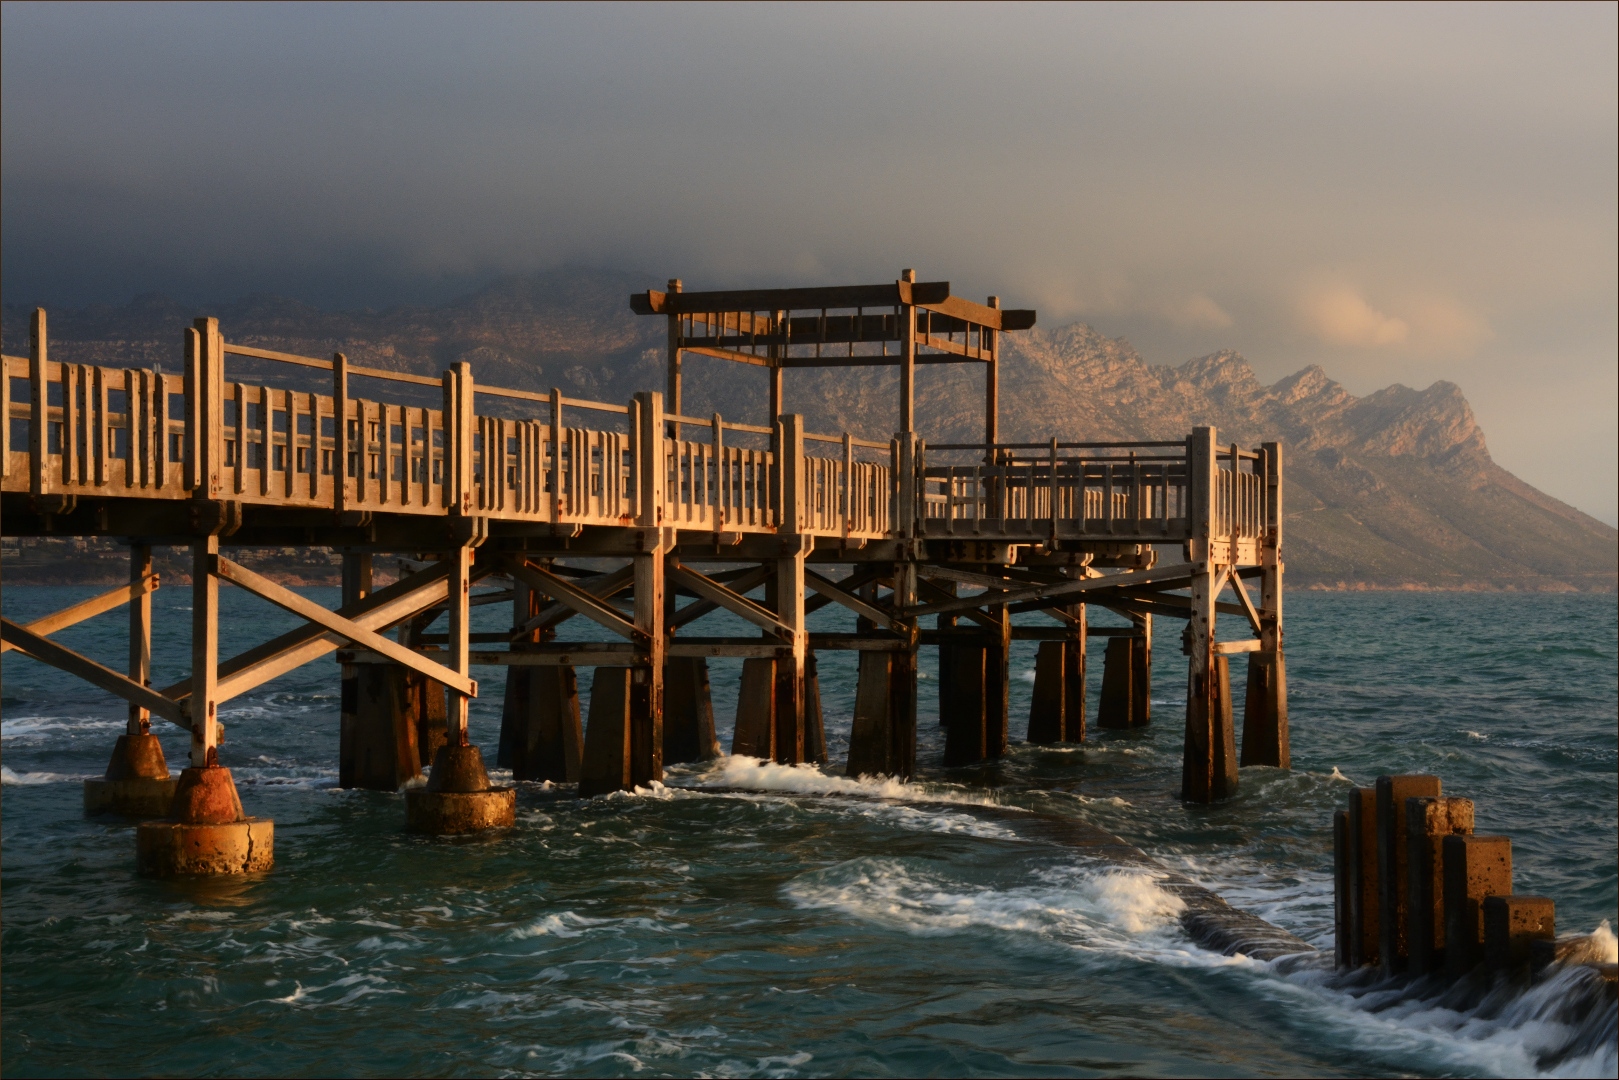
62 658
86 609
1177 572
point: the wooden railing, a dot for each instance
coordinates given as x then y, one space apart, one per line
86 430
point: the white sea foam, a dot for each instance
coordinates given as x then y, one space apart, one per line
39 727
29 779
741 771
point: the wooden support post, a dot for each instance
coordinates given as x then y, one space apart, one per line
788 595
1141 672
997 682
208 441
814 721
140 635
1393 864
545 739
459 645
674 396
1209 763
964 701
907 362
992 386
1474 867
646 690
1428 820
203 704
1264 725
754 733
514 707
39 439
902 679
688 712
871 733
356 582
1364 893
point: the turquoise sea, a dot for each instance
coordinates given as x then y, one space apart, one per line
798 923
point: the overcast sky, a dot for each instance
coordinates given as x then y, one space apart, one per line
1398 193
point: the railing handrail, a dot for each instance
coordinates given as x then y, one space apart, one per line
1060 445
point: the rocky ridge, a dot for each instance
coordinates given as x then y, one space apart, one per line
1392 490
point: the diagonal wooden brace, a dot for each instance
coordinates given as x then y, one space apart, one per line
57 656
90 608
734 602
925 587
226 570
601 588
838 595
291 650
566 592
1181 571
1247 604
743 585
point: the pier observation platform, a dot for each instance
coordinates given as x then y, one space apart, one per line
511 490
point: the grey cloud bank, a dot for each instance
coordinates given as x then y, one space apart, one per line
1398 194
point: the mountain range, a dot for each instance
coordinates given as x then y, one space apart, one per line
1394 490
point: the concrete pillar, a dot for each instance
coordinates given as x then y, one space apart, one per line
458 797
1364 892
871 737
1141 672
814 721
606 765
1264 712
1512 924
1393 866
377 746
754 733
206 831
1428 820
688 712
1475 867
964 705
1114 709
1341 925
1057 710
547 739
137 782
1209 758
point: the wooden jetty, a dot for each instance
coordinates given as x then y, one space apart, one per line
501 485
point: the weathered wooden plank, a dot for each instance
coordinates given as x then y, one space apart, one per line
734 602
565 592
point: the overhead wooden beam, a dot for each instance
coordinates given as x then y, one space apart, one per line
263 587
62 658
734 602
889 294
566 592
982 314
86 609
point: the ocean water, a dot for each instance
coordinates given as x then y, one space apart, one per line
798 922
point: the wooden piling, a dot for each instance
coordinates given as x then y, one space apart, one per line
1393 866
1365 915
1512 924
1057 707
606 766
688 715
1428 820
1474 867
1342 924
1116 705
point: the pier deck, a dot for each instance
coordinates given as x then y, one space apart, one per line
485 482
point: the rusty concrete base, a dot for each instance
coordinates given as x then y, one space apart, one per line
205 832
141 797
174 848
446 813
137 782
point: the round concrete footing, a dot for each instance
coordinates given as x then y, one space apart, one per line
143 797
171 848
445 813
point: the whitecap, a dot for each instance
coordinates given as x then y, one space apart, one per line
29 779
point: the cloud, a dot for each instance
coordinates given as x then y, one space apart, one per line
1199 312
1339 315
